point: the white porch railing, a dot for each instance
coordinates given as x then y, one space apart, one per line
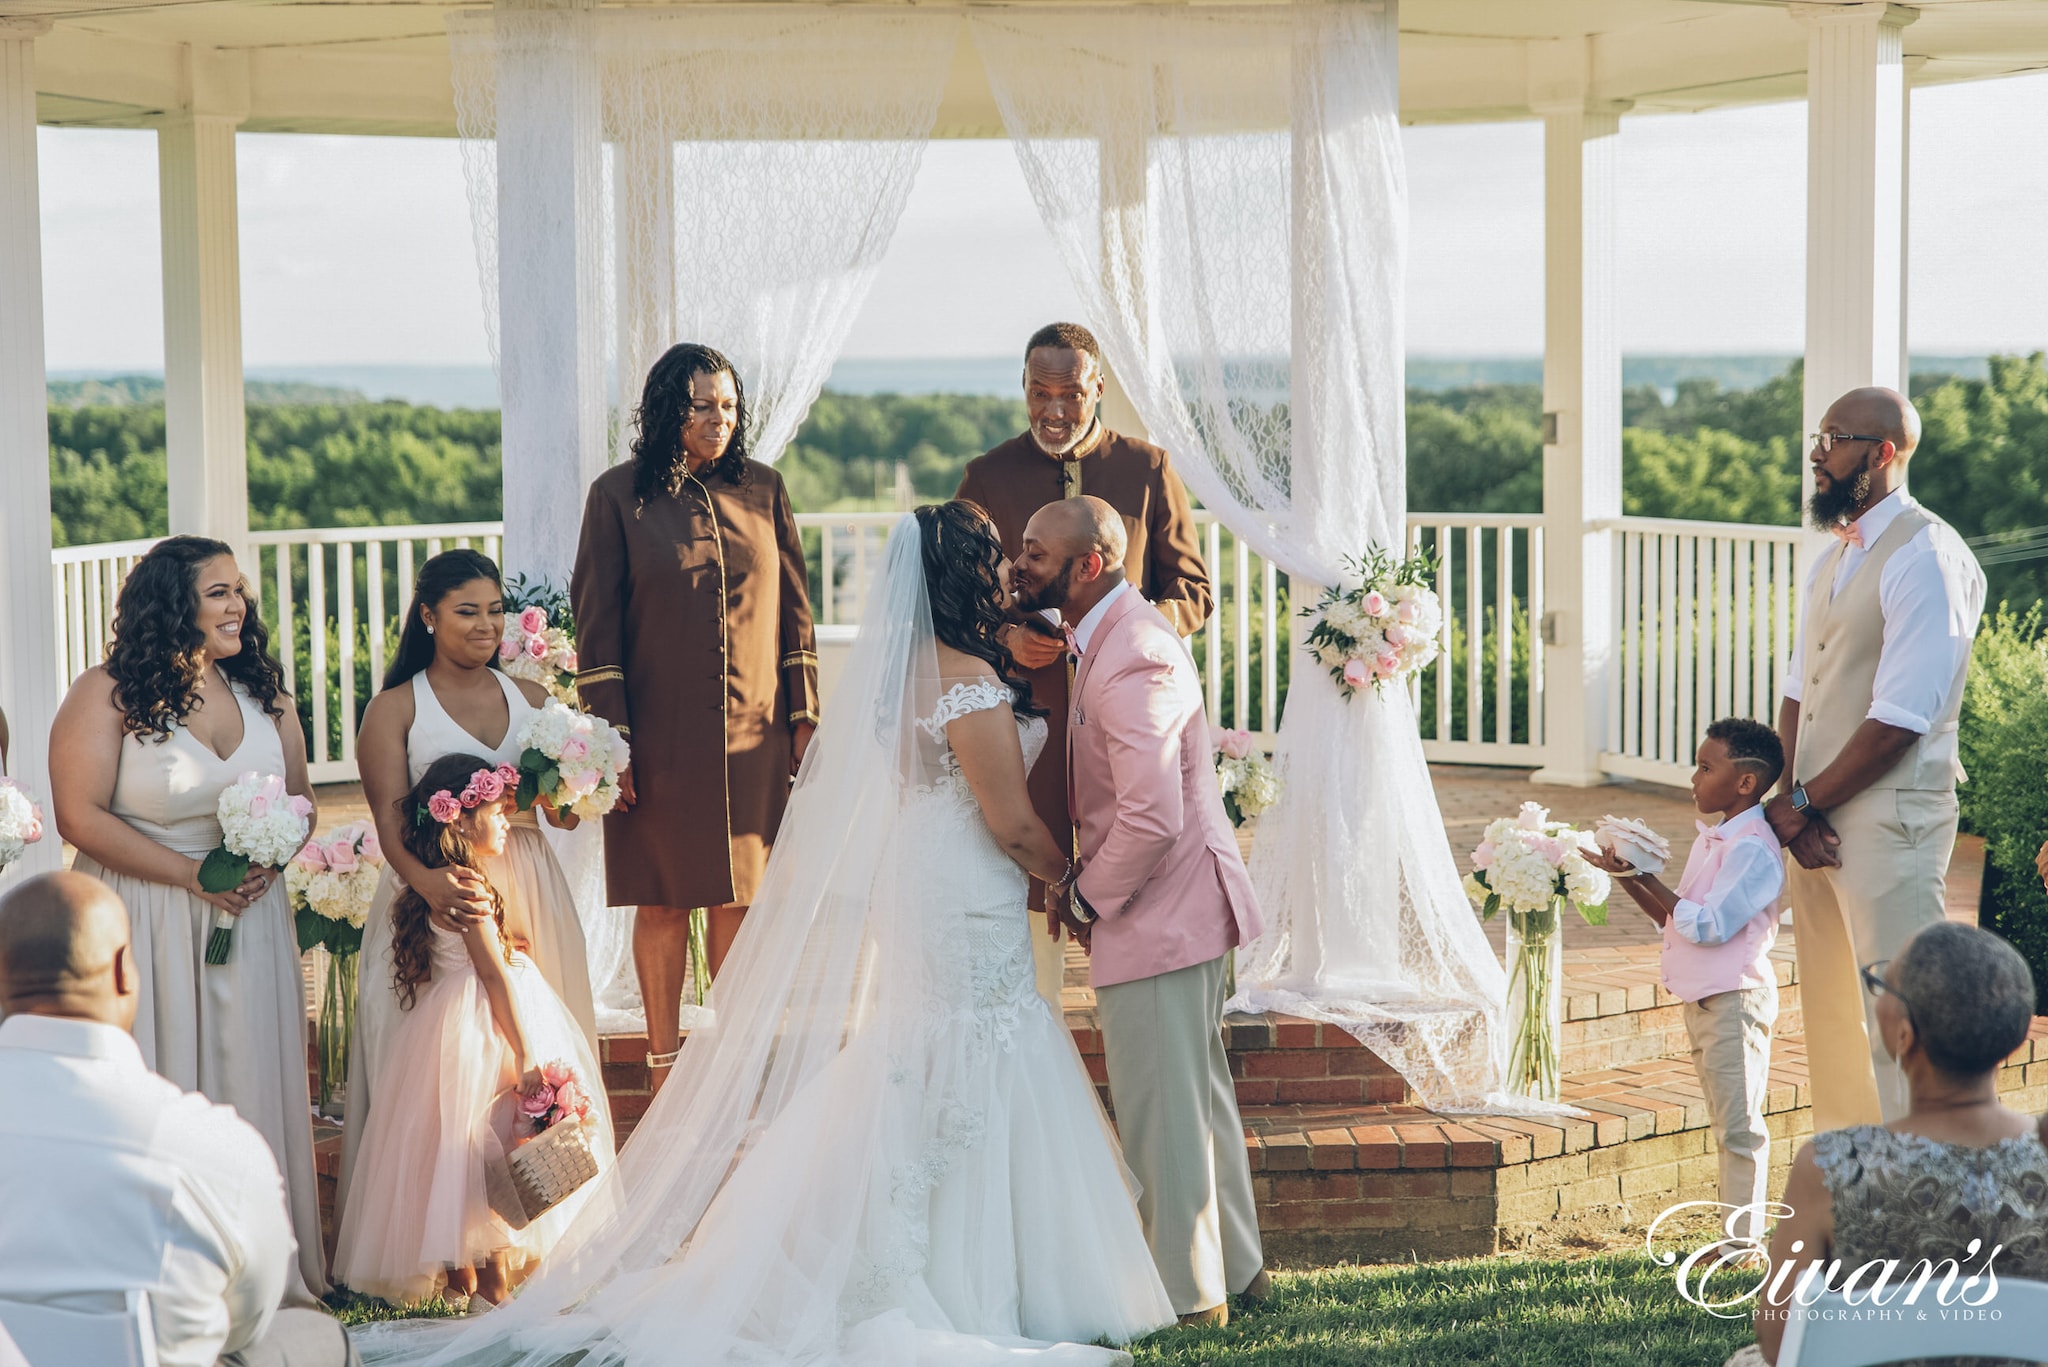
1703 611
1703 627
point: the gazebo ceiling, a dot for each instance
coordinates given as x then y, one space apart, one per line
381 66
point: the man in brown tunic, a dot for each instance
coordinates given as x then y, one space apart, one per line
693 636
1067 452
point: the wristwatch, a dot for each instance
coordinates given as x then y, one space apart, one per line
1799 800
1078 906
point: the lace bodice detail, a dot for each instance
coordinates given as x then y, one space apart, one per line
962 699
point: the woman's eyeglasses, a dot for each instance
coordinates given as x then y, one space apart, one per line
1874 983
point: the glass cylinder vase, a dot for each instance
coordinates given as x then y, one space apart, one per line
1535 964
337 1018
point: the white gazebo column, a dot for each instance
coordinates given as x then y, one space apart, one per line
550 264
1856 113
29 684
1582 433
1121 174
205 434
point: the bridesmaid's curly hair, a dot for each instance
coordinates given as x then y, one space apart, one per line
665 405
961 562
158 652
437 845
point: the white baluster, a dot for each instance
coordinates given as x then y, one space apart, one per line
1212 632
286 654
1475 636
1241 621
1535 581
1443 644
373 568
1632 600
1269 649
1504 636
316 632
405 576
345 633
828 586
1668 677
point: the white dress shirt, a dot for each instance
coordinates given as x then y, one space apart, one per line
1931 595
1084 630
112 1180
1748 880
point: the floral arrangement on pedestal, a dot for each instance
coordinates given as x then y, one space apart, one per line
21 821
572 760
1532 866
261 825
1381 629
332 882
1248 782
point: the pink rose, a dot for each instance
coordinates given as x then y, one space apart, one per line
301 807
1550 847
1355 673
533 621
508 649
259 806
540 1103
1409 611
443 807
575 748
35 826
508 775
572 1100
487 786
1482 858
1387 663
537 647
1396 635
370 847
1375 604
569 661
1237 744
341 857
580 780
312 857
557 1074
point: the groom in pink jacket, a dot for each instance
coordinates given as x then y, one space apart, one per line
1161 901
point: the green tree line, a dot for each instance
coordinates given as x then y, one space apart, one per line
326 458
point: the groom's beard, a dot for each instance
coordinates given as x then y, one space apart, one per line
1050 594
1828 508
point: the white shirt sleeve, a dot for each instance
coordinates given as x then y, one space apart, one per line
1750 880
1931 595
1795 664
231 1187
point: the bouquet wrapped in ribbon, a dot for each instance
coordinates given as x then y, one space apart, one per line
536 649
1248 782
332 882
261 825
572 760
21 821
1381 629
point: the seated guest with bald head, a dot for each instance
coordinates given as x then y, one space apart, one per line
1871 696
113 1179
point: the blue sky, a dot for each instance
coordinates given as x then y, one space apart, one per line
359 249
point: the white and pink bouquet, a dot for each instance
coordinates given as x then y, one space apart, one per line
536 649
572 760
561 1098
332 882
1381 629
261 825
1248 782
21 821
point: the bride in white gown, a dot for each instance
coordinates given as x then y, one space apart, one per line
886 1152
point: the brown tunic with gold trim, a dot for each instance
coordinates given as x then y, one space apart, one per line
1163 559
693 635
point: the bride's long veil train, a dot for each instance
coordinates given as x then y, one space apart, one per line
808 1253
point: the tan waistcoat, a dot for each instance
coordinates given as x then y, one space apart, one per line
1844 637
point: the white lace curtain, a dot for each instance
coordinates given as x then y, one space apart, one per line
1226 187
739 172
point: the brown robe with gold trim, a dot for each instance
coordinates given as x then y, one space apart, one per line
1164 560
693 635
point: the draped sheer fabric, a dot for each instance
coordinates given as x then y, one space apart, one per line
742 170
857 950
1226 188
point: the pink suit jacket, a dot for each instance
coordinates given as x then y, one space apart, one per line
1159 859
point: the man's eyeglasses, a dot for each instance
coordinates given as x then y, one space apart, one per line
1826 440
1874 983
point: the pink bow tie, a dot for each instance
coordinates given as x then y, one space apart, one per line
1711 835
1850 534
1072 648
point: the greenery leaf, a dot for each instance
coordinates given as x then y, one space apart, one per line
222 871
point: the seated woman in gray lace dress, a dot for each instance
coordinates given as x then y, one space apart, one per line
1958 1166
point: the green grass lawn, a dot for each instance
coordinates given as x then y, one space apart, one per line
1614 1308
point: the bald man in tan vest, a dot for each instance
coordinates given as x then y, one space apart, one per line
1871 697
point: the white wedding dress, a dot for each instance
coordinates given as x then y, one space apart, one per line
887 1152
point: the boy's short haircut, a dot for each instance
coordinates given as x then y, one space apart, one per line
1751 745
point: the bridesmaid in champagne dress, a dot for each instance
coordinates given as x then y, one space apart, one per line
443 696
188 701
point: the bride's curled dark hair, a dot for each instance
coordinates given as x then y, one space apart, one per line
159 651
961 562
658 421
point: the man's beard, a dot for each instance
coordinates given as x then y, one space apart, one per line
1077 434
1052 593
1829 508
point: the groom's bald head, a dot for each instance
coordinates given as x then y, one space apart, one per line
64 951
1080 526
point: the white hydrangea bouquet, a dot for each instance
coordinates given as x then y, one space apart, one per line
21 821
572 760
1248 782
1381 629
536 649
332 882
1531 866
261 825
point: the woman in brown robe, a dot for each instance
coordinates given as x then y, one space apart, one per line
693 636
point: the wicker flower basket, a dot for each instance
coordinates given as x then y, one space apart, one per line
541 1173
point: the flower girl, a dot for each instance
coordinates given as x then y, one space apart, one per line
479 1022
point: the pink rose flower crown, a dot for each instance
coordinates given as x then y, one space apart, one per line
485 785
